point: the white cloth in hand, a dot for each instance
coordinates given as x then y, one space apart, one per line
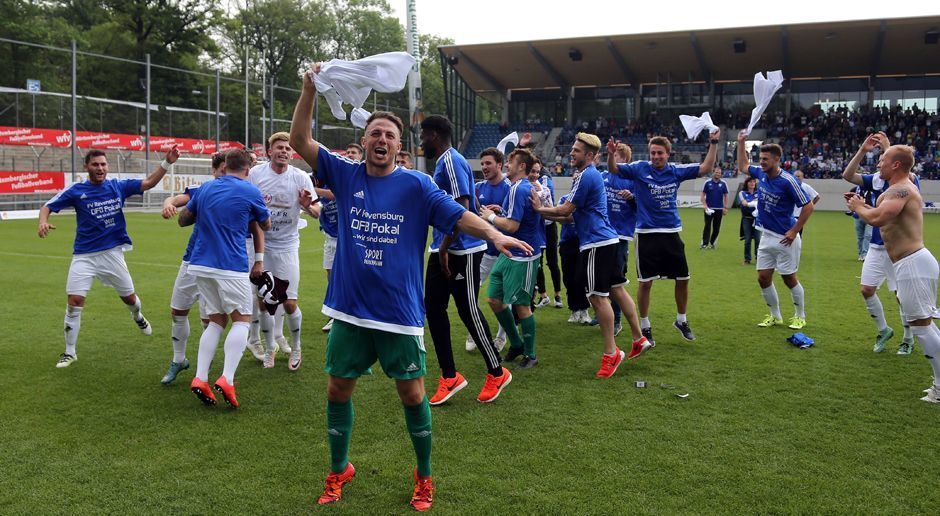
350 82
512 138
764 90
693 125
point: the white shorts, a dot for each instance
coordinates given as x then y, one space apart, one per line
329 251
917 275
878 268
108 266
225 295
773 255
185 292
486 265
284 265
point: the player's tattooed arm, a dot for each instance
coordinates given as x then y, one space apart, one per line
901 193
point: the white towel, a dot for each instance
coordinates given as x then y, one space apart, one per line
350 82
693 125
512 137
764 90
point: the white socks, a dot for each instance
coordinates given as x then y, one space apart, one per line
180 333
798 303
267 330
235 343
770 297
908 334
293 323
207 344
680 318
279 322
929 338
645 322
876 311
134 309
255 332
73 323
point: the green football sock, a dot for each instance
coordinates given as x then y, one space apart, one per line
339 423
508 322
418 420
528 335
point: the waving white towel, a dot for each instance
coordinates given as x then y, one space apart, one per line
351 82
512 138
693 125
764 90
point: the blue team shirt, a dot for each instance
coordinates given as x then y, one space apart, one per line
453 175
748 197
191 191
518 207
328 218
875 186
546 181
568 232
776 199
492 194
656 192
715 192
621 212
99 213
380 215
590 216
223 209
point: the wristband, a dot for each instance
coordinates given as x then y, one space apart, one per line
166 165
259 257
491 218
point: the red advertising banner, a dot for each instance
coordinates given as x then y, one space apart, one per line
31 182
109 141
35 137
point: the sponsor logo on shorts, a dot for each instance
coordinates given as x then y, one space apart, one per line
411 368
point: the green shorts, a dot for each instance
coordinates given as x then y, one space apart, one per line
351 350
513 282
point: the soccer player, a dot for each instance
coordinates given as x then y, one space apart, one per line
599 242
286 191
811 194
490 193
714 199
100 240
570 268
376 296
747 198
900 216
877 267
512 281
403 159
621 210
222 211
185 292
454 265
328 221
551 240
660 251
778 192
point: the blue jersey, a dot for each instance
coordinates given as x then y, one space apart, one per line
656 192
191 191
328 218
875 186
99 213
518 207
590 215
776 199
546 181
621 212
715 192
223 209
378 215
748 197
492 194
568 232
453 175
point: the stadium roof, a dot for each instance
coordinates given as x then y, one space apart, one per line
832 49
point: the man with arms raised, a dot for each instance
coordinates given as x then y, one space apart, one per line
223 211
599 243
660 251
286 190
900 216
778 194
100 240
376 295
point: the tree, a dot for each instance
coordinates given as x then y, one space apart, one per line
432 83
364 28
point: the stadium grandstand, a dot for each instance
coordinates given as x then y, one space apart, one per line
844 79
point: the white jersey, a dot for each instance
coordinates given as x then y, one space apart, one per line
280 193
811 194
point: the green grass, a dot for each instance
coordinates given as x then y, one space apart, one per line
766 428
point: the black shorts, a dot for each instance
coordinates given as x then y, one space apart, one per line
660 256
599 270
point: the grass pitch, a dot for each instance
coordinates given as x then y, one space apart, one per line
766 428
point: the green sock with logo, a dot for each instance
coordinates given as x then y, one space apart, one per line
508 323
528 335
339 423
418 420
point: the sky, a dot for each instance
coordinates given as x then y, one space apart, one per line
492 21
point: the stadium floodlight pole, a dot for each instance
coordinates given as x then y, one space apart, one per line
218 96
271 111
147 129
246 97
74 107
